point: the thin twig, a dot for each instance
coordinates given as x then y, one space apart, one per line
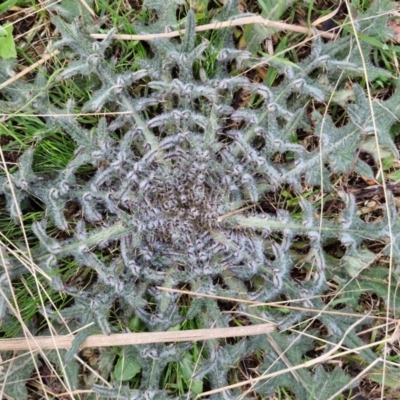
282 26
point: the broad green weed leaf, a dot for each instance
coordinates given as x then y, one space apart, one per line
395 176
126 369
7 44
187 366
280 60
387 163
355 263
197 387
391 380
187 372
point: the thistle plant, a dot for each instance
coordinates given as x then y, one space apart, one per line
176 197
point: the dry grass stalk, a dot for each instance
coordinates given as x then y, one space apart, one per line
283 304
321 359
281 26
45 58
125 339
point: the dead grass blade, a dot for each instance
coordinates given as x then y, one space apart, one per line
86 5
327 16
